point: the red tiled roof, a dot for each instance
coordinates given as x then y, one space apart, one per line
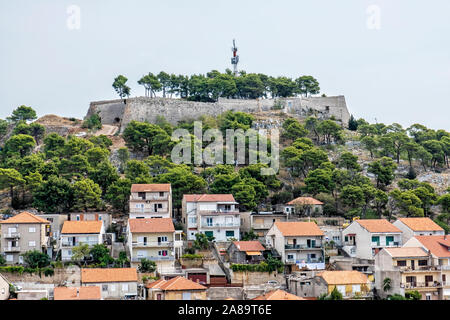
343 277
209 197
406 252
99 275
154 225
176 284
295 228
438 245
249 245
152 187
421 224
77 293
377 225
25 217
278 295
305 200
82 227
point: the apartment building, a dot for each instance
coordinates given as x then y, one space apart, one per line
75 233
215 215
151 201
260 222
307 206
21 233
115 283
412 227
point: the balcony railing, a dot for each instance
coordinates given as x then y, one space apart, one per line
153 244
262 225
429 284
385 244
301 246
153 258
11 249
14 235
443 267
418 268
206 212
76 244
220 225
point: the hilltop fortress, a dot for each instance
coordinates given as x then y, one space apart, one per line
120 112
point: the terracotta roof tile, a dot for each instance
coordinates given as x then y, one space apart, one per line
180 283
99 275
299 228
438 245
249 245
25 217
406 252
209 197
305 200
152 187
155 225
155 284
377 225
278 295
343 277
421 224
81 227
77 293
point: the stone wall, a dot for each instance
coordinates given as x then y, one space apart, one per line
70 276
255 278
121 112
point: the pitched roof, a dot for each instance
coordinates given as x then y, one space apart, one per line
25 217
278 295
176 284
98 275
438 245
150 187
305 200
77 293
421 224
343 277
81 227
377 225
209 198
299 228
249 245
406 252
155 225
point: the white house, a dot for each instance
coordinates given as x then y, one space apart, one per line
215 215
412 227
364 238
115 283
75 233
151 201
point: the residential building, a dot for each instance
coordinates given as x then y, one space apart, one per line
21 233
408 268
351 284
178 288
411 227
245 252
151 201
77 293
260 222
154 239
56 221
92 216
439 247
115 283
307 206
278 295
75 233
215 215
4 288
364 238
300 244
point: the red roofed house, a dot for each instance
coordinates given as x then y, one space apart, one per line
151 201
300 244
75 233
364 238
154 239
246 252
304 205
21 233
422 226
215 215
115 283
178 288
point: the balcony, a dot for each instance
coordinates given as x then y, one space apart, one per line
440 267
262 225
12 235
218 212
153 258
411 285
301 246
220 225
76 244
418 268
152 244
11 249
384 244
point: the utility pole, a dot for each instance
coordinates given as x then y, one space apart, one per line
235 58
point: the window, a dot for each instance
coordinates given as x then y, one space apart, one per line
376 239
113 287
290 257
161 194
341 289
428 296
31 229
423 262
192 220
104 287
159 205
9 258
209 221
389 239
162 239
186 296
78 217
227 207
3 290
428 278
50 219
209 234
141 195
356 288
32 243
401 263
229 233
162 253
125 287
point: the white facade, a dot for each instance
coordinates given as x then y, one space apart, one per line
151 204
69 241
408 233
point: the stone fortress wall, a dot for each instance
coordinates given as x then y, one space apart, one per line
119 112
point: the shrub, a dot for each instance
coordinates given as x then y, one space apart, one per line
93 122
147 266
191 256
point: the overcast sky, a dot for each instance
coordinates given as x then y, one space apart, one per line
390 58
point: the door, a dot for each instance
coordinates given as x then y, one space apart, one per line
155 207
20 260
159 296
144 240
413 265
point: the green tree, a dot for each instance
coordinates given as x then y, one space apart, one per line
23 113
87 194
387 284
147 266
370 143
245 195
54 195
118 194
352 124
36 259
384 171
349 161
121 88
94 122
53 145
294 130
146 137
335 294
10 178
81 253
201 241
319 180
330 131
20 145
104 175
100 254
123 155
307 85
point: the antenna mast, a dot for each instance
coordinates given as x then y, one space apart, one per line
235 58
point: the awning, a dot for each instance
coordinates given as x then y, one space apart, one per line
253 253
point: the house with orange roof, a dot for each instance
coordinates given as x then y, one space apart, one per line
421 226
75 233
77 293
245 252
21 233
151 200
115 283
408 268
350 283
215 215
156 240
364 238
304 206
178 288
300 244
439 248
278 295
